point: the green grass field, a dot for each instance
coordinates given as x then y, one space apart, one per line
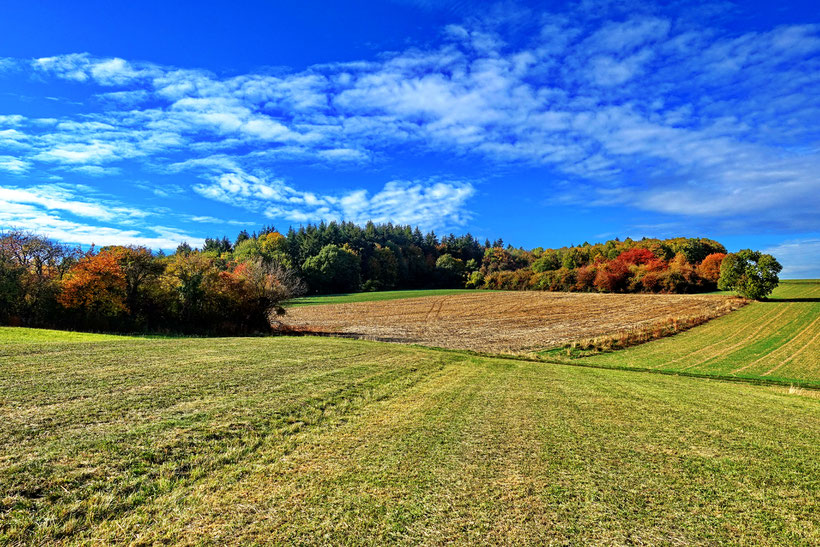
321 440
371 296
777 340
12 335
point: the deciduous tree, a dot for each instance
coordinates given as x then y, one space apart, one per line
751 273
709 269
96 286
334 269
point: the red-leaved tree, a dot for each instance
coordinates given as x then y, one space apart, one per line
637 256
613 277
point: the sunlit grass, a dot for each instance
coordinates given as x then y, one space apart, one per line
305 440
776 340
17 335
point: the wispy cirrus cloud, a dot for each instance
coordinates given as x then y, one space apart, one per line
640 109
12 164
78 214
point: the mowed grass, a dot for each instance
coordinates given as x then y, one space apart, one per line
371 296
777 340
16 335
335 441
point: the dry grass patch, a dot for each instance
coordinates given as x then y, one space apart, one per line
508 322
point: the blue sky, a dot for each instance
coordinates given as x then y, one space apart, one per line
547 125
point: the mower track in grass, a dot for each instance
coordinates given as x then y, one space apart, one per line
293 439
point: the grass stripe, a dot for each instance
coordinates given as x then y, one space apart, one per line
780 329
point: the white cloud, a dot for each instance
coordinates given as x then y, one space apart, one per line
95 170
41 209
161 190
94 152
12 139
609 71
82 67
213 220
12 164
800 258
628 35
11 120
432 205
74 199
242 188
346 154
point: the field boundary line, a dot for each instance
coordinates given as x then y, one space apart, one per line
806 384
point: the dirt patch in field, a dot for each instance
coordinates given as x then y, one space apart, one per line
503 322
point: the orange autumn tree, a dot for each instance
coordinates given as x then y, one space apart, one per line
612 277
96 286
253 291
709 269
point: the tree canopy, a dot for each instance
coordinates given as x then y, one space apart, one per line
751 273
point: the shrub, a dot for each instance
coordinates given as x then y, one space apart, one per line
568 278
650 282
475 280
511 281
585 278
252 294
11 289
190 284
382 269
498 259
613 277
547 262
450 271
680 276
541 281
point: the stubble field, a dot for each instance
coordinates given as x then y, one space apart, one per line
503 322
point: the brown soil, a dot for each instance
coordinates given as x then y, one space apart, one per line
503 322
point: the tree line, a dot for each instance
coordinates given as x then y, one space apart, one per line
131 289
239 286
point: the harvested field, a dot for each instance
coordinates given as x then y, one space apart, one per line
503 322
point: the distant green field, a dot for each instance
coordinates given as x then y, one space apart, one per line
15 335
775 340
371 296
304 440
